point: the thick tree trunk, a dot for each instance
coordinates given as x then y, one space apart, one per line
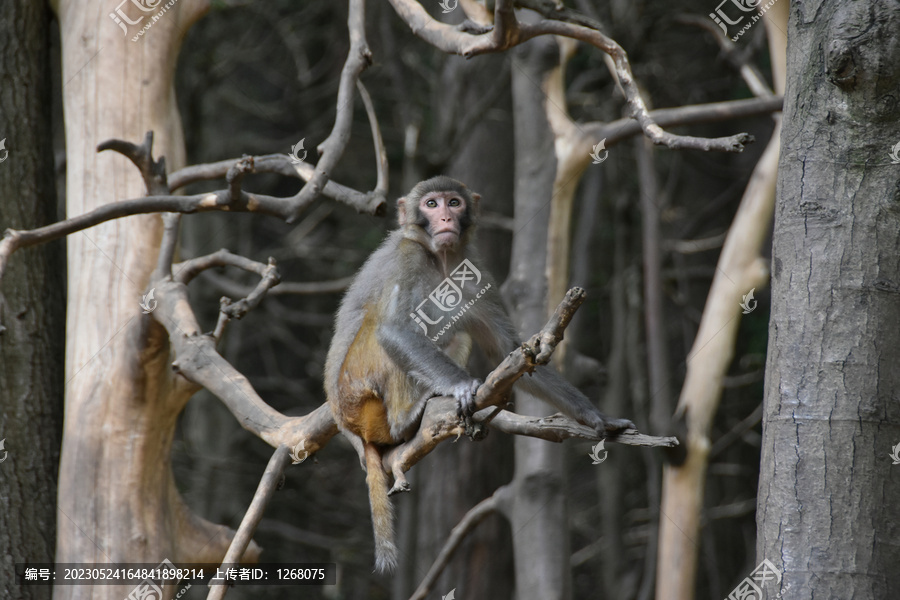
827 510
32 317
117 499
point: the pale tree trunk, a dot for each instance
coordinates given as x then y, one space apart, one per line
827 508
31 303
539 512
117 498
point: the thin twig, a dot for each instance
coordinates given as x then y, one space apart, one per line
331 150
187 270
466 525
616 131
282 165
171 225
152 172
508 32
381 187
268 484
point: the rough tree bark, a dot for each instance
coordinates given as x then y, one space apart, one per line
827 512
31 303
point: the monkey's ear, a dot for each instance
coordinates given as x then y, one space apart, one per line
476 196
401 211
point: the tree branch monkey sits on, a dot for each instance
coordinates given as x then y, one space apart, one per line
381 368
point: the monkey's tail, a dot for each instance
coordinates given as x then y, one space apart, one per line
382 511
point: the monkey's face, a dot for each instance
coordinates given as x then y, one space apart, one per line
443 215
439 213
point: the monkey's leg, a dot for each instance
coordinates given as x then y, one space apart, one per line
400 482
554 389
358 445
405 420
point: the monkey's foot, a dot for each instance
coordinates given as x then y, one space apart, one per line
476 431
400 485
607 426
465 397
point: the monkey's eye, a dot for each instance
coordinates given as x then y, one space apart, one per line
431 203
454 202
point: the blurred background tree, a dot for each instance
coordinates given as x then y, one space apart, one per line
255 78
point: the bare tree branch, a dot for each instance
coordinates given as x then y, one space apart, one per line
556 10
290 288
282 165
466 525
171 228
381 187
269 483
559 428
613 132
508 32
228 309
333 147
740 268
620 129
153 172
231 200
187 270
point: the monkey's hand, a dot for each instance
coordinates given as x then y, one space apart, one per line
465 397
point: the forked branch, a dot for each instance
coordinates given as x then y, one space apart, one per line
509 32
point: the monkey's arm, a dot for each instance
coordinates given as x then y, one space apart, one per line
420 358
496 336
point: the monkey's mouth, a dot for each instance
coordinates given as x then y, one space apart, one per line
446 236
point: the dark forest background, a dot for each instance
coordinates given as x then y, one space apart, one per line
255 78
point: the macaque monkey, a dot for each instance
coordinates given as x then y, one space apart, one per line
403 335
